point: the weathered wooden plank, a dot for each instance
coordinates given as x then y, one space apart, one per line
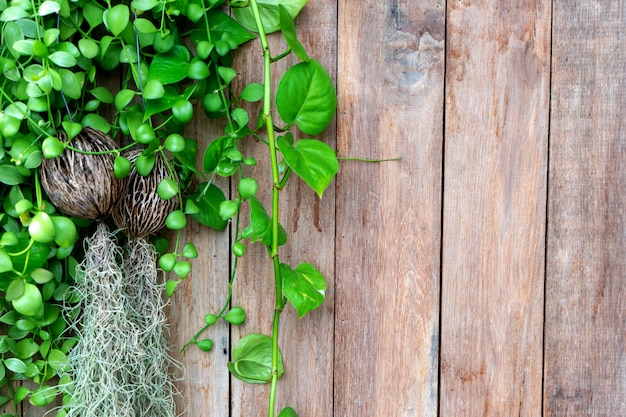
204 385
497 89
390 83
306 344
585 353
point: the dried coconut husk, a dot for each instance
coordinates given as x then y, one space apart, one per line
83 185
141 211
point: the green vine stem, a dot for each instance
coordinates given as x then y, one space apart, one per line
267 116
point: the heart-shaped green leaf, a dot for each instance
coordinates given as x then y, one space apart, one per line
116 18
306 96
170 67
288 412
304 287
252 359
72 129
314 161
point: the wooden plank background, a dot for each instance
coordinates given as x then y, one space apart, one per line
484 273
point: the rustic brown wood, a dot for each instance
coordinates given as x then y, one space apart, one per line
497 84
204 384
390 86
585 353
306 344
389 232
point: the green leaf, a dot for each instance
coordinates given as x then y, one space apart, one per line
103 94
252 359
153 90
10 175
11 34
5 261
304 287
116 18
49 7
62 59
97 122
252 92
24 47
57 359
314 161
43 396
50 36
72 129
123 97
41 275
170 286
288 412
26 348
93 13
144 4
219 24
208 199
214 153
144 26
240 116
13 13
306 95
167 188
190 251
165 102
20 393
15 365
170 67
205 345
15 289
88 48
260 228
72 82
30 260
288 29
227 74
269 10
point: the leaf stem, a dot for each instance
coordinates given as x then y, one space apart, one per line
267 116
376 161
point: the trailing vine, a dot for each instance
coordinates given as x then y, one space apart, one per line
176 60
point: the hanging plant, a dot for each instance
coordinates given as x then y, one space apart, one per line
176 60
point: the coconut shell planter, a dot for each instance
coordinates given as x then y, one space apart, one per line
83 184
120 365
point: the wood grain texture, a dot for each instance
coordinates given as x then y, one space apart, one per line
390 86
204 385
585 364
306 344
497 86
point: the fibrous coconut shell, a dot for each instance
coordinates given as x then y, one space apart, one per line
141 211
83 185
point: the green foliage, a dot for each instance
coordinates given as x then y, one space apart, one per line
269 13
306 96
304 287
252 359
177 60
314 161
